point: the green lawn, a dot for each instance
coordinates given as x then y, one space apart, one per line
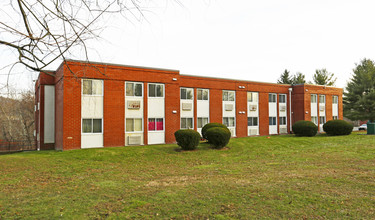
257 177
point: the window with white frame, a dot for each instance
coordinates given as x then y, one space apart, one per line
202 94
133 124
92 87
156 124
335 117
322 120
322 99
335 99
272 120
134 89
313 98
252 121
91 125
186 93
314 119
202 121
229 121
282 98
187 123
155 90
272 97
252 96
282 120
228 95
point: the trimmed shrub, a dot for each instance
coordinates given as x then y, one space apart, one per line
187 139
337 127
305 128
211 125
218 137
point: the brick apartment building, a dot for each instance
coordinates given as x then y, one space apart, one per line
85 105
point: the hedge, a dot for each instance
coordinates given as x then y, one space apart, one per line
187 139
338 127
305 128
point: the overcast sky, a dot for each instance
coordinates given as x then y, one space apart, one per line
238 39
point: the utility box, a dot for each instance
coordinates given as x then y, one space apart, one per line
370 127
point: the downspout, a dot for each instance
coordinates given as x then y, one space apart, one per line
290 110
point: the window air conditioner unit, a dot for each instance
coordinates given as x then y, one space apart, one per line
134 104
283 108
187 106
252 107
134 140
228 107
283 130
253 131
321 108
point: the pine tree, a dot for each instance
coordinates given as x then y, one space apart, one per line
285 78
323 77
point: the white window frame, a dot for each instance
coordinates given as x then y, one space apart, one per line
320 121
282 120
269 120
324 99
155 97
155 125
134 125
314 121
335 117
284 95
186 89
315 99
335 99
102 82
185 118
252 121
201 118
208 94
234 122
134 83
252 97
229 91
92 126
270 100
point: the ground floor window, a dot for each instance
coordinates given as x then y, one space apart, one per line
92 125
322 119
202 122
335 117
155 124
228 121
187 123
282 120
272 120
133 124
314 119
252 121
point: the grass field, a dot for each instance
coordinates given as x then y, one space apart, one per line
279 177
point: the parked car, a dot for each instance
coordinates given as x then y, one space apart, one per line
363 127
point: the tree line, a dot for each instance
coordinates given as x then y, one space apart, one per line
321 77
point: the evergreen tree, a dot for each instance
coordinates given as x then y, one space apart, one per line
359 98
298 78
323 77
285 78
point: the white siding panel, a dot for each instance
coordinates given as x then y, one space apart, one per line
49 114
92 106
91 140
155 107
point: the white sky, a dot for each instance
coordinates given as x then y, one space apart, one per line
238 39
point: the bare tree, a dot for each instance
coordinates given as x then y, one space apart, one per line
42 31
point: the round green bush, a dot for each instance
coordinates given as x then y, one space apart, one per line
218 137
187 139
305 128
338 127
211 125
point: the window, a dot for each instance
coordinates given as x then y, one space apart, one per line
272 120
282 98
272 97
282 120
92 87
252 97
202 94
313 98
228 121
155 90
314 119
186 93
252 121
335 117
155 124
202 122
335 99
91 125
133 124
133 89
228 95
186 123
322 120
322 99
